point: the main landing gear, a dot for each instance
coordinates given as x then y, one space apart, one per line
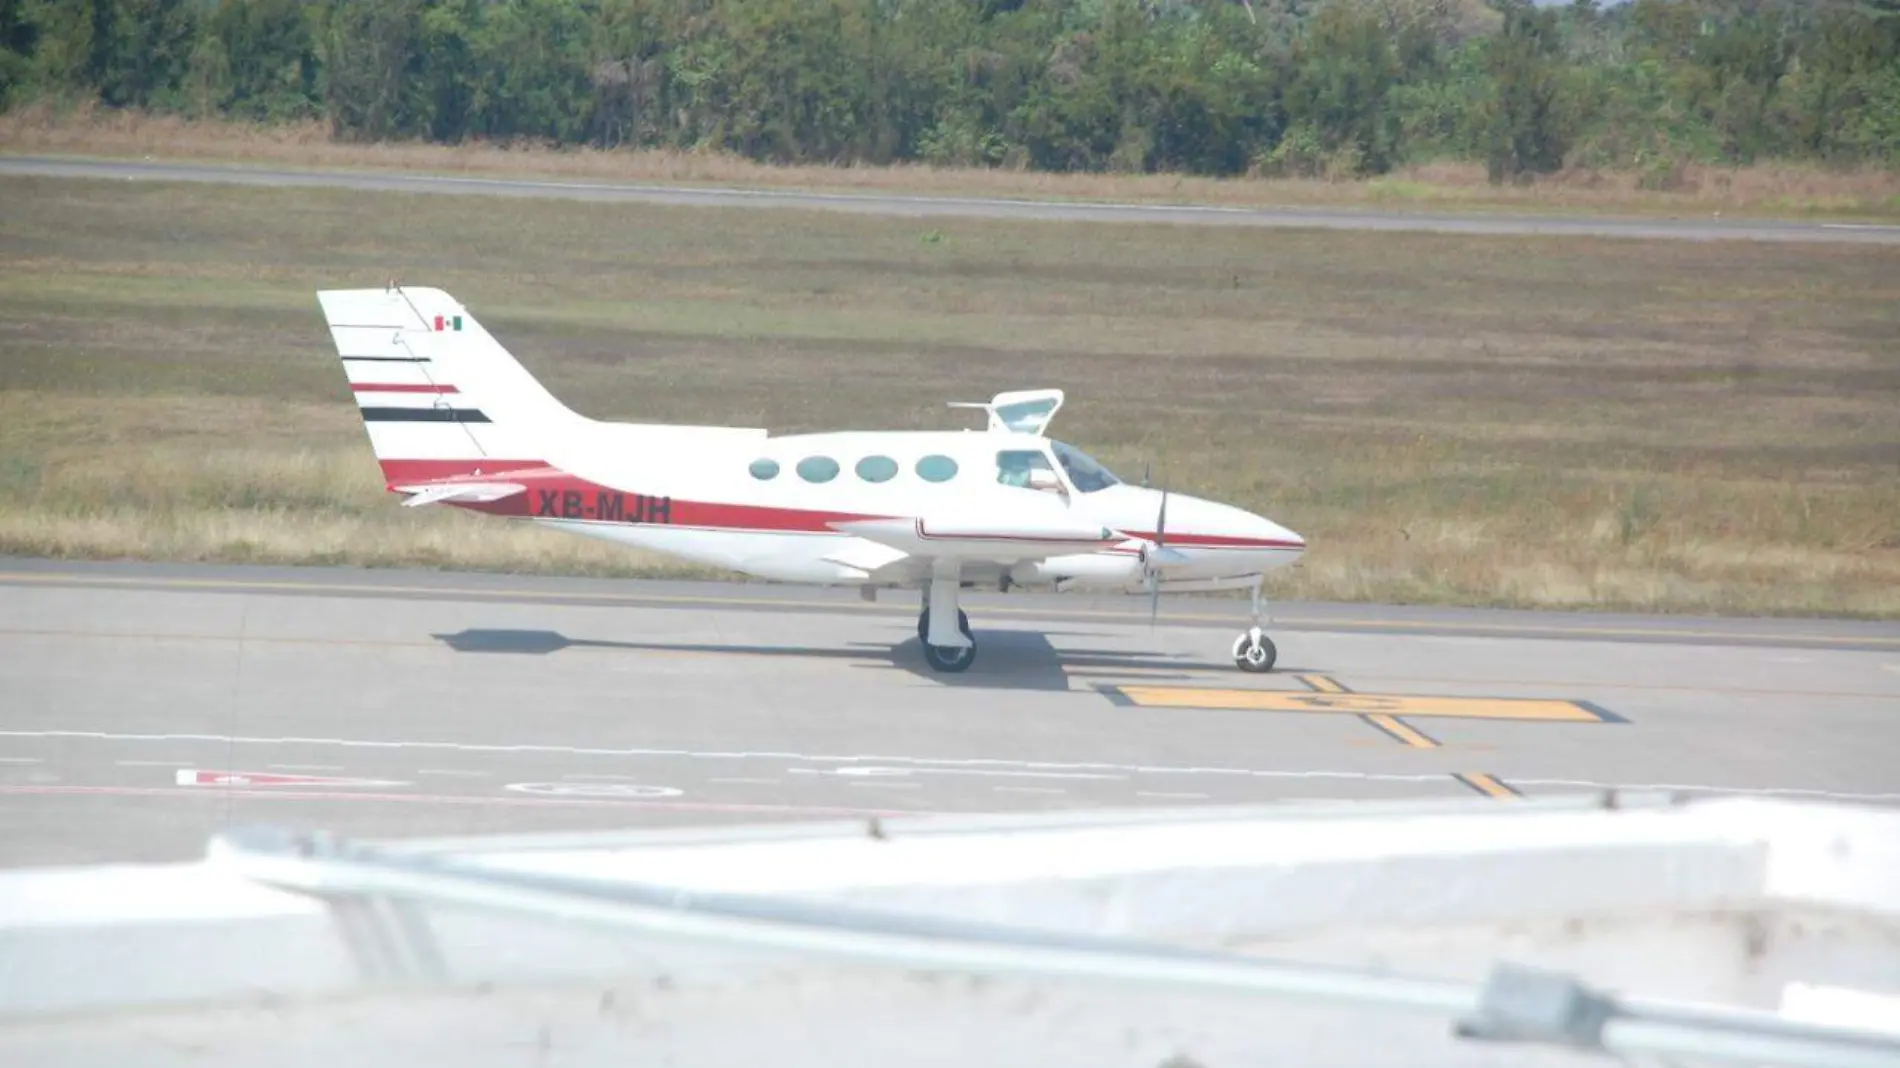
1253 650
943 629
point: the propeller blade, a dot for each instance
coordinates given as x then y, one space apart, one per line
1152 565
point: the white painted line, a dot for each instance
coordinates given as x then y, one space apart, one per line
1171 797
273 779
752 782
305 767
874 772
1029 790
454 771
593 789
933 763
26 760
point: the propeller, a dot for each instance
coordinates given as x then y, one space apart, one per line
1150 564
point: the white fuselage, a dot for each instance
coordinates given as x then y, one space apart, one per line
721 512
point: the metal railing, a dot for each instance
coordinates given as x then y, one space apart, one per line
377 898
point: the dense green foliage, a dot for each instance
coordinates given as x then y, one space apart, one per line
1207 86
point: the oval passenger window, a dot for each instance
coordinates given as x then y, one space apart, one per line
818 469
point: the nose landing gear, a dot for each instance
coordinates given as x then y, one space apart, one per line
1254 652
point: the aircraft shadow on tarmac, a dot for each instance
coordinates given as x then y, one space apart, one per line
1007 659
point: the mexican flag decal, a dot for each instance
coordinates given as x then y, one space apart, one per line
442 323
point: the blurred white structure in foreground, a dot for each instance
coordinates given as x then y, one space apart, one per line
1530 932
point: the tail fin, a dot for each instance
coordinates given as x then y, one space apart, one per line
439 396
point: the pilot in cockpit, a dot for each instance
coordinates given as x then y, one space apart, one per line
1028 469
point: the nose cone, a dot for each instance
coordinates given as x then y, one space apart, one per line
1286 539
1222 523
1251 531
1192 520
1199 523
1267 530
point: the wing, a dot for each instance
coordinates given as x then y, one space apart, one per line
1012 539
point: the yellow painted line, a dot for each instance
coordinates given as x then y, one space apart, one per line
1361 704
1321 684
1400 730
1485 784
709 600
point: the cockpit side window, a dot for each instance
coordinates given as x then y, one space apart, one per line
1027 468
1087 475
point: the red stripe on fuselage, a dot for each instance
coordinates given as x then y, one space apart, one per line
556 494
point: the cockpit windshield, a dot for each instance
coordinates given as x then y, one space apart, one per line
1087 475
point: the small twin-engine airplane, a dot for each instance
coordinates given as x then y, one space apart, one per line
455 420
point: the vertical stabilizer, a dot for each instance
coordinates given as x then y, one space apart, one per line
439 396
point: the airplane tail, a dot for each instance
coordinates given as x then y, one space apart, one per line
439 396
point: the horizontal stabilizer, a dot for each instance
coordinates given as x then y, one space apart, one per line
459 493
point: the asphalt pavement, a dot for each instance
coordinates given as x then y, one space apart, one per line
145 707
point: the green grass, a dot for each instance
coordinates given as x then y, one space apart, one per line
1528 421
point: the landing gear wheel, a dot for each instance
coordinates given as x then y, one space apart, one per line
1254 652
949 658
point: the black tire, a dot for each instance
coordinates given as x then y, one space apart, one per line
949 659
1261 664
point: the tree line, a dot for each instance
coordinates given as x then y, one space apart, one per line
1337 87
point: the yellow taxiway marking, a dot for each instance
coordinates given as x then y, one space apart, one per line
1321 684
1485 784
1393 727
1364 704
714 601
1401 731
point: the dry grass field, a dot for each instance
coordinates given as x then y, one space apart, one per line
1524 421
1776 189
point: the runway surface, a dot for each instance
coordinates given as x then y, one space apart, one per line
1699 228
145 707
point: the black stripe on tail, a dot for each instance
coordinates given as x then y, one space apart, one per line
423 415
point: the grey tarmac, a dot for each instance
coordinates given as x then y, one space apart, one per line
144 707
1665 228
